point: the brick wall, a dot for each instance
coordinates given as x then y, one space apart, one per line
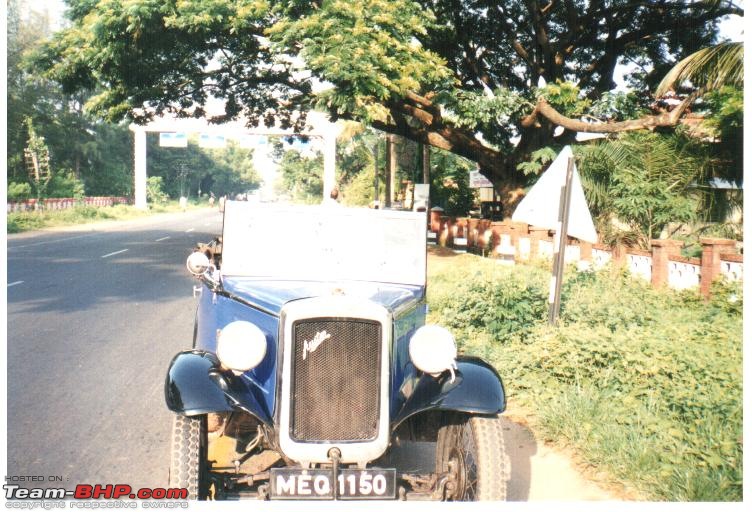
663 265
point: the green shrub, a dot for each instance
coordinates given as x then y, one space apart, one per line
81 214
155 190
644 383
726 297
18 191
359 190
504 308
65 184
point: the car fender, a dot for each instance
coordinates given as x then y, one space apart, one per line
196 384
475 389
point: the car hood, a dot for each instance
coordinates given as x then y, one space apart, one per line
272 295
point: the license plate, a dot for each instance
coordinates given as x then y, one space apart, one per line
318 484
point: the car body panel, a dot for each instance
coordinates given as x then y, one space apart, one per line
272 295
215 311
476 388
196 384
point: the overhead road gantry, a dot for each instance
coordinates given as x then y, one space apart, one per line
317 125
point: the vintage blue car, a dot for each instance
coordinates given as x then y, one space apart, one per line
312 374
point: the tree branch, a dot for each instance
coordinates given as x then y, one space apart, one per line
666 119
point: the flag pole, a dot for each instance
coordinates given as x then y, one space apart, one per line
560 245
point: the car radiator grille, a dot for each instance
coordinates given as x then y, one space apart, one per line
336 380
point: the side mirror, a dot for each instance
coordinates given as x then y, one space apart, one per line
198 263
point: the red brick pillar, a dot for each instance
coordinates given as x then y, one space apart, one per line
586 251
536 235
618 258
712 248
517 230
446 235
436 213
662 249
462 227
498 230
472 234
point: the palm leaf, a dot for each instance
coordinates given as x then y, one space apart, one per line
708 68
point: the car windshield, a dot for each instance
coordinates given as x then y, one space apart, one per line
323 243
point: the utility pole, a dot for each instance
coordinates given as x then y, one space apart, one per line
427 171
560 246
376 172
182 175
391 164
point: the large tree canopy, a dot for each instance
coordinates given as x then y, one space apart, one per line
460 75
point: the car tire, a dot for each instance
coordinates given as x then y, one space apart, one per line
470 449
188 455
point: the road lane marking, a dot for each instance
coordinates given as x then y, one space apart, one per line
163 238
14 283
113 253
189 230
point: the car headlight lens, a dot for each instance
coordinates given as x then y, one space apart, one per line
433 350
241 346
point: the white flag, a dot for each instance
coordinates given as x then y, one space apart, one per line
540 207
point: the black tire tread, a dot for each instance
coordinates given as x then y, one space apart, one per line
185 455
493 466
491 457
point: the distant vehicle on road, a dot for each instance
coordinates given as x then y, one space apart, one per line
311 362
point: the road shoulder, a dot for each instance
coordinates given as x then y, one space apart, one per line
105 225
543 471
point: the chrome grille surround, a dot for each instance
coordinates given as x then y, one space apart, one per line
367 439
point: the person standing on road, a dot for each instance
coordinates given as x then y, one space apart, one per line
332 200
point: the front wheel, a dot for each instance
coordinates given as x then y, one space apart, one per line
470 452
188 455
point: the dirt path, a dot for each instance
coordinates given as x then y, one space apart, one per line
542 473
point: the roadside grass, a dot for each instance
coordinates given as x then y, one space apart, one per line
18 222
645 384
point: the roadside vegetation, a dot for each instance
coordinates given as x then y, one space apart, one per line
18 222
644 384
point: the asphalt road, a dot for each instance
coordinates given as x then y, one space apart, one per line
94 317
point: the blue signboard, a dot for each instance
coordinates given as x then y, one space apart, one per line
173 140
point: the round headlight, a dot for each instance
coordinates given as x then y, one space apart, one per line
432 350
241 346
198 263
